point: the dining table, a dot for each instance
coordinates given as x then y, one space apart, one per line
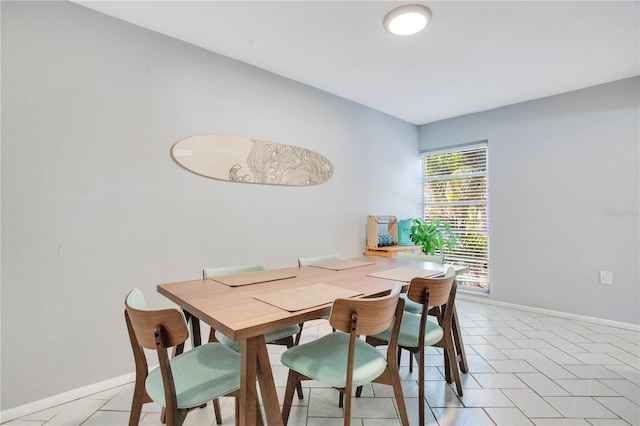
246 307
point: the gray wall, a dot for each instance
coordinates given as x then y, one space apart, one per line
93 205
558 167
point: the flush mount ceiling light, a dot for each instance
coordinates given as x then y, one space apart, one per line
407 20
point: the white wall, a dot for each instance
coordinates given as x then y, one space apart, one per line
557 166
93 205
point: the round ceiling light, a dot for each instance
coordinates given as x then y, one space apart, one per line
407 20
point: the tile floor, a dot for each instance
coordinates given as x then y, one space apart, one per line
524 369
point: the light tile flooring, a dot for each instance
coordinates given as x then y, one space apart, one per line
524 369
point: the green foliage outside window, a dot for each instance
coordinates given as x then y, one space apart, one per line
456 194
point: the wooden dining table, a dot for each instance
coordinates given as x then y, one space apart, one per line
236 312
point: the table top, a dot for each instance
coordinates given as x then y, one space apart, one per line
236 313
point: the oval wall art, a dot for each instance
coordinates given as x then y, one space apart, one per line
239 159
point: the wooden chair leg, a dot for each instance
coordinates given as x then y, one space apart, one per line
347 406
134 417
259 419
397 391
292 380
455 359
461 356
341 396
419 355
453 367
290 343
216 410
447 366
410 359
451 361
299 390
237 402
136 404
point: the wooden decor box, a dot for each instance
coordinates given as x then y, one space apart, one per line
373 248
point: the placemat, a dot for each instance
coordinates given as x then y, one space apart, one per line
253 277
300 298
405 274
338 265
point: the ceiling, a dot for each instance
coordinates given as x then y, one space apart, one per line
473 56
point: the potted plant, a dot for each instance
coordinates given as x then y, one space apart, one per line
433 235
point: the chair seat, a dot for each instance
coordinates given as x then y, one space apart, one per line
409 330
194 373
325 360
410 305
269 337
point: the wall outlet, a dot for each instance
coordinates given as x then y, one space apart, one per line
606 277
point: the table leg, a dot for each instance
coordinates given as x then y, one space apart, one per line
195 328
268 386
248 394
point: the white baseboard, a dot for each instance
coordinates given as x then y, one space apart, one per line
484 298
62 398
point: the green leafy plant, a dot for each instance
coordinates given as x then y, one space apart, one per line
433 235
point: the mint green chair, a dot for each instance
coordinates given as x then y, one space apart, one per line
418 330
342 360
410 306
304 261
232 270
185 381
283 336
308 261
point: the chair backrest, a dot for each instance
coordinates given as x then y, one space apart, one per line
436 289
374 315
155 329
304 261
148 325
231 270
436 258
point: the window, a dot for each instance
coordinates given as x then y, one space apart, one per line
456 190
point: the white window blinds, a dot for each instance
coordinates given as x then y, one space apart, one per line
456 190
